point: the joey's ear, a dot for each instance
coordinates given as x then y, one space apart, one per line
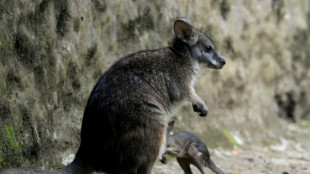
184 30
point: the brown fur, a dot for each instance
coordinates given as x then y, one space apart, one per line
189 149
125 120
127 112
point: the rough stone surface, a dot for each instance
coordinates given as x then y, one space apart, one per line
52 53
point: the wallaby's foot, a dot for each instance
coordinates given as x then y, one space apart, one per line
201 109
163 160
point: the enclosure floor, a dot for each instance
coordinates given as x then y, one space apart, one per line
286 157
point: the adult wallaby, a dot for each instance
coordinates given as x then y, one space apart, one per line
189 149
125 120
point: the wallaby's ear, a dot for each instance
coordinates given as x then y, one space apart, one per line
184 30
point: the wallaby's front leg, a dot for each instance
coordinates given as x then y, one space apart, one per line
198 104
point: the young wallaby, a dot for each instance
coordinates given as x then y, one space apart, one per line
125 120
189 149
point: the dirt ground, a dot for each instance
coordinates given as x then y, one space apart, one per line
289 156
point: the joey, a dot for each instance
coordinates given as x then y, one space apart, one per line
189 150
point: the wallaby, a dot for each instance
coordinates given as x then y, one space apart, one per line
189 149
126 117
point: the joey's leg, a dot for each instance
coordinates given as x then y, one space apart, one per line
184 163
198 104
197 158
200 166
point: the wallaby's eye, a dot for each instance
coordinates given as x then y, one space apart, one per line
208 48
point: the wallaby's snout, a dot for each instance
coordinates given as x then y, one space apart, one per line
214 60
219 63
223 61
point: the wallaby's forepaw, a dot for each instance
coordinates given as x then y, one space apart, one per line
201 109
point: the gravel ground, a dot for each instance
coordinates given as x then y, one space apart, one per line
286 157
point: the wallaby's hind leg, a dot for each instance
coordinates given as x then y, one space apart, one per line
128 171
184 163
139 147
147 169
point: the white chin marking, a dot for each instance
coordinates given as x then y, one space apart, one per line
214 63
193 80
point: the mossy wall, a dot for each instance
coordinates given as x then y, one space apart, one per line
52 53
11 150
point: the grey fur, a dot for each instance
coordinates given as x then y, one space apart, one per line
125 120
189 149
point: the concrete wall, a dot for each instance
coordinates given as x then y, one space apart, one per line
53 52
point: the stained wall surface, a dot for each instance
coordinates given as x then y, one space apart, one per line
53 52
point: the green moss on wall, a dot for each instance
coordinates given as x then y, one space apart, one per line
10 135
10 150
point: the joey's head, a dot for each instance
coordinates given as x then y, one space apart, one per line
199 46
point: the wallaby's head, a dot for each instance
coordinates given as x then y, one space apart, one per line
200 46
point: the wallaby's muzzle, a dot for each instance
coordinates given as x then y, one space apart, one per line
220 63
223 61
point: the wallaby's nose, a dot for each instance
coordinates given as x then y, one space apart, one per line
223 61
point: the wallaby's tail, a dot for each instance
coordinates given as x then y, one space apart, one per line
30 171
214 168
76 167
26 171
